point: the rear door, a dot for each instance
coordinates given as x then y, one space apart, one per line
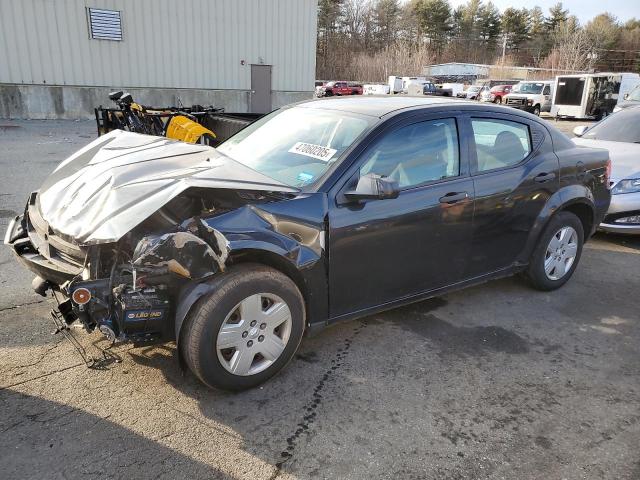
514 172
385 250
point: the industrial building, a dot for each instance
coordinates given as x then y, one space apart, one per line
470 72
59 59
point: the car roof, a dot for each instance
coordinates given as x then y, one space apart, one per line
378 106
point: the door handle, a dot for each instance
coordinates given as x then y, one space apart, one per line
545 177
454 197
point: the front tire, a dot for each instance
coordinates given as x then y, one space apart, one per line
558 252
247 330
536 110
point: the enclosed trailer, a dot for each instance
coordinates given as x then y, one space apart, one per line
592 95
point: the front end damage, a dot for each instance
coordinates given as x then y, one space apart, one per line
125 289
119 242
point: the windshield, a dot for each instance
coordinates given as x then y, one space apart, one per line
528 87
623 126
635 94
297 145
474 89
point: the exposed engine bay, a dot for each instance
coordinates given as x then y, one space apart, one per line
122 226
127 289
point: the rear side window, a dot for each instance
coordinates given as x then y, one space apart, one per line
416 154
500 143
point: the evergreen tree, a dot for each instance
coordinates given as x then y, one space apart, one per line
386 17
489 22
557 16
515 26
434 17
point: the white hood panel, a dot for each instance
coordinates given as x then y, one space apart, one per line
110 186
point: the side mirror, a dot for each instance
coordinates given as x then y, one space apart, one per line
115 95
373 187
625 96
579 130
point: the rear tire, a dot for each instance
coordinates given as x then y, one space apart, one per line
558 252
246 330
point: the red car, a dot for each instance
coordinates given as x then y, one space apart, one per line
339 88
495 94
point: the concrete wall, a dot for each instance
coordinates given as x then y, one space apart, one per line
166 43
40 101
198 50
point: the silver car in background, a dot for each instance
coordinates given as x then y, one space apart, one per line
620 134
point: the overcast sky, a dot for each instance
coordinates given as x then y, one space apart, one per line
585 10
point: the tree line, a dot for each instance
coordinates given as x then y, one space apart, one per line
371 39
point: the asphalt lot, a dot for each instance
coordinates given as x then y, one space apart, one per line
498 381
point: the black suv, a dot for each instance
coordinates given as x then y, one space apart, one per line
320 212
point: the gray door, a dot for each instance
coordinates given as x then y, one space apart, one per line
260 88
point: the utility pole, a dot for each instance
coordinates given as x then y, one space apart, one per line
504 48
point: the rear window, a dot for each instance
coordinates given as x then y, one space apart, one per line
624 126
500 143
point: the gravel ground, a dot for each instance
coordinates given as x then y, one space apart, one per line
498 381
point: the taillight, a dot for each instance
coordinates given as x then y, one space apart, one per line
607 174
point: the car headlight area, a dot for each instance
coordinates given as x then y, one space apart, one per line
623 215
628 185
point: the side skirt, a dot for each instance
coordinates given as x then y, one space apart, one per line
502 273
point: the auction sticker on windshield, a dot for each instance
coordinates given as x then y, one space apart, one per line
314 151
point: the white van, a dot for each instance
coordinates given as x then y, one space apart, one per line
532 96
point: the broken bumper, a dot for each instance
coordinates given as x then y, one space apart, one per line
41 251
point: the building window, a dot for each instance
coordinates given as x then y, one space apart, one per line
104 24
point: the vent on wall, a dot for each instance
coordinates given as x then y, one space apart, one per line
104 24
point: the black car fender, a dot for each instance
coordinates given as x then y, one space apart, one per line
575 198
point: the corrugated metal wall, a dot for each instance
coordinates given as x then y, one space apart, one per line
166 43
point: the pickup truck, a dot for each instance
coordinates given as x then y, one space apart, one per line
339 88
432 89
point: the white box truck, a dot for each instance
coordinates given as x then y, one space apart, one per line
590 95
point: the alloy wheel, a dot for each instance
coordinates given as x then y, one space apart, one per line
561 253
254 334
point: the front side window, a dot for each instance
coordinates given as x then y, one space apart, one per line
297 145
547 90
500 143
416 154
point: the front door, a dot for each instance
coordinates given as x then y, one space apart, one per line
385 250
515 171
261 89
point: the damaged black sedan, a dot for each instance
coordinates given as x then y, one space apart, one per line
324 211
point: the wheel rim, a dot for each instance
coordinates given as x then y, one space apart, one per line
561 253
254 334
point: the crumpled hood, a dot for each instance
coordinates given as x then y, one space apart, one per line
625 157
110 186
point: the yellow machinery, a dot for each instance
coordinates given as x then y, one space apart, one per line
186 130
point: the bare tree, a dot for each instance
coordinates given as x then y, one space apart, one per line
573 49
